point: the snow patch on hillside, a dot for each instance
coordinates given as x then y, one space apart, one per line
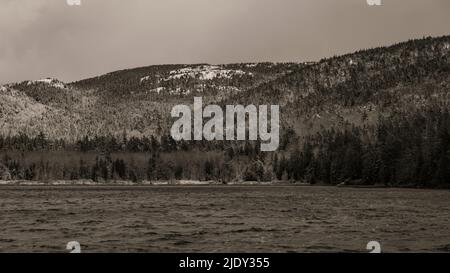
202 73
176 91
49 81
17 109
205 72
352 62
146 78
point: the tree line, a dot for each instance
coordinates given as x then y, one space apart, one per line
404 149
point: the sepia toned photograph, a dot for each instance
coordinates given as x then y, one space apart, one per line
225 126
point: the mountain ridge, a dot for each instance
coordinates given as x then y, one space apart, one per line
378 116
138 100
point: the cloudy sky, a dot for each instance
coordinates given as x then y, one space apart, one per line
48 38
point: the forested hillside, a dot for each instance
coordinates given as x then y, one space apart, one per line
135 100
378 116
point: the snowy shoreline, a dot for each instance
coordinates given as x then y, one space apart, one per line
188 183
142 183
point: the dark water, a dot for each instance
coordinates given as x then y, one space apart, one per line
223 219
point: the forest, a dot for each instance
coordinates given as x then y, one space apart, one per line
374 117
409 149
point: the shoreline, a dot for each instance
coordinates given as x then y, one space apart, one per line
190 183
147 183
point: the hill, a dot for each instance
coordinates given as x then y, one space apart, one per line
377 116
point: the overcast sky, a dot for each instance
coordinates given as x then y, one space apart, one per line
48 38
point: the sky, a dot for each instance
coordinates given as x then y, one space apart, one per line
49 38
